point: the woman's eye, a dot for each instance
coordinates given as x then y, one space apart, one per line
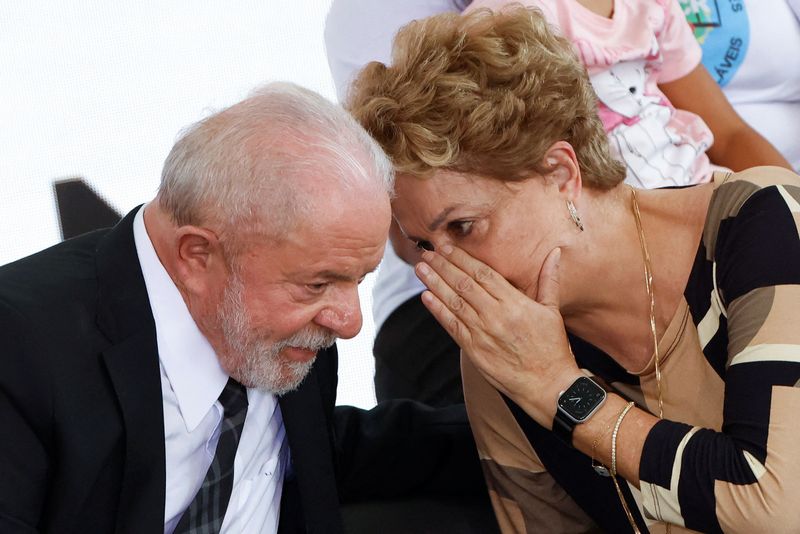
424 245
460 228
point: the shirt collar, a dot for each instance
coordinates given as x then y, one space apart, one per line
189 361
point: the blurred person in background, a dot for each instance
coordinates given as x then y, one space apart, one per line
750 48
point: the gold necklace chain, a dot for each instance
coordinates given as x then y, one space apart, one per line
648 281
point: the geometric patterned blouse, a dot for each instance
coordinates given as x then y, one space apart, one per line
726 457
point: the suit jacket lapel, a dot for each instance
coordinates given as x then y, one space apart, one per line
132 362
312 456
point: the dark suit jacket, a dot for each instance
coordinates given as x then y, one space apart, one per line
81 418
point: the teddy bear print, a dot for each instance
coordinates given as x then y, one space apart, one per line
643 129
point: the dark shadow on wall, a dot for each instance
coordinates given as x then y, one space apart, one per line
80 208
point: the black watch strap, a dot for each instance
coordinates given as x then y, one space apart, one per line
563 427
575 405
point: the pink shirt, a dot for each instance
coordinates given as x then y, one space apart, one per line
644 43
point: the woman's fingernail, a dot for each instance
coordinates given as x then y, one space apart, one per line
423 269
427 255
447 250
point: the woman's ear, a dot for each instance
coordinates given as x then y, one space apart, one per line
561 169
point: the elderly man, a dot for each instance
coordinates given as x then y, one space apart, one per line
177 373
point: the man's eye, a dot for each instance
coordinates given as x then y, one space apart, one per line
460 228
424 245
317 288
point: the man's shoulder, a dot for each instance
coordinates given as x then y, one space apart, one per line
48 304
52 277
47 313
70 253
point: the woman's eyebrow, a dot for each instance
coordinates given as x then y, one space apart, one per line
439 219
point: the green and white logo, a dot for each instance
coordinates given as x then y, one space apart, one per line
723 31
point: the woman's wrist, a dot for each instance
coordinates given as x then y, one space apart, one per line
541 402
631 435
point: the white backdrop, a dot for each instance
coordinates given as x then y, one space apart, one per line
100 89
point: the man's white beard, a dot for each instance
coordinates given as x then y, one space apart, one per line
255 362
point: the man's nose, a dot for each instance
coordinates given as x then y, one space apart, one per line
343 315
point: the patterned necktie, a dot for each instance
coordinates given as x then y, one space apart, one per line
207 510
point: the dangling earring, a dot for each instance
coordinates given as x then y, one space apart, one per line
573 213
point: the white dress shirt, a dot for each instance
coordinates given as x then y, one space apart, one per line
191 382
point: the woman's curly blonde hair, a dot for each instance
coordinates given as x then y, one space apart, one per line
483 93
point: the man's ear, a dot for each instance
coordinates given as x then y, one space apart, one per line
562 169
199 259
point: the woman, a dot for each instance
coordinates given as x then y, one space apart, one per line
546 268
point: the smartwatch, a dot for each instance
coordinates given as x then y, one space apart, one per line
576 405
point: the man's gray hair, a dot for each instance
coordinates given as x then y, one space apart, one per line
235 169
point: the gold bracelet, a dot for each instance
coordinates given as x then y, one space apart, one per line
622 415
599 468
614 467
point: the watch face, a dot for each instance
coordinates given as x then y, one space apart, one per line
581 398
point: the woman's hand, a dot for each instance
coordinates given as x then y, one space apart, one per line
518 344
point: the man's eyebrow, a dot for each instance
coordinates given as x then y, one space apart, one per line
339 277
331 275
440 218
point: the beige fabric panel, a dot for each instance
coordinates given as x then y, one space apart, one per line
791 195
780 322
524 496
763 506
749 314
686 374
497 434
508 513
793 191
670 339
528 502
764 176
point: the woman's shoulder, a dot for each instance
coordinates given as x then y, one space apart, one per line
752 231
735 191
757 177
